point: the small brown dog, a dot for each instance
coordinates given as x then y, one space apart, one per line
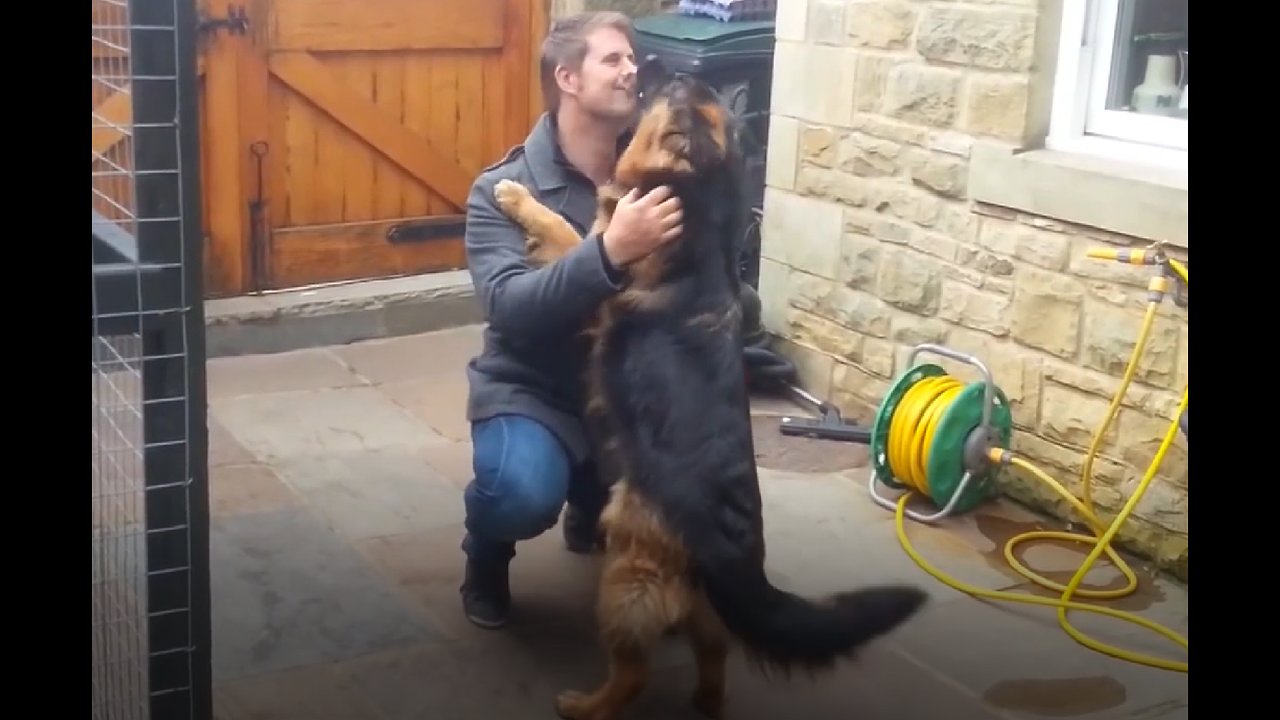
670 411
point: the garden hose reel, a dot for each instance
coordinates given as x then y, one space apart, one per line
937 436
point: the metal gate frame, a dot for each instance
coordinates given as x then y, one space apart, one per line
148 283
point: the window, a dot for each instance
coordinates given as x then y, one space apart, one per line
1121 85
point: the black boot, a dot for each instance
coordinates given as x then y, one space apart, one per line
582 531
486 592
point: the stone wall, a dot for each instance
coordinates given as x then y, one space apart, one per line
872 244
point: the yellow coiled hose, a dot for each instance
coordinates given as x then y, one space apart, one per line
910 438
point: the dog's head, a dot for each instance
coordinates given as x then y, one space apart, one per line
685 138
683 130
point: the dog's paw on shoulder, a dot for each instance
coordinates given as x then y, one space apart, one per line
510 194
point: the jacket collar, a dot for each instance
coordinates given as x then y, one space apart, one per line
550 168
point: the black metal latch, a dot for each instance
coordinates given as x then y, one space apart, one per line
236 21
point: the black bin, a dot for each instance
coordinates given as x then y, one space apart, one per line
736 58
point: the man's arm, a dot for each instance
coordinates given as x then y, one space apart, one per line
520 302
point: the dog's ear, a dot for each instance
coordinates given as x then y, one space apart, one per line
650 77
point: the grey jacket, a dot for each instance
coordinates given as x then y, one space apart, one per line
534 354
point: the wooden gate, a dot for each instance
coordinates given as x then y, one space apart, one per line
340 137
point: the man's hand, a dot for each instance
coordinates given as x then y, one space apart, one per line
640 224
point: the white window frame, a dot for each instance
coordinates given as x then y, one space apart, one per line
1079 121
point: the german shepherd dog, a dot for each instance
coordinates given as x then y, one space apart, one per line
668 402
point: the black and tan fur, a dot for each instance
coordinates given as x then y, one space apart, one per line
668 399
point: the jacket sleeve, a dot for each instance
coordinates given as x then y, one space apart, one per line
520 302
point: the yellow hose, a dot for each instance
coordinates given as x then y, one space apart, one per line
911 433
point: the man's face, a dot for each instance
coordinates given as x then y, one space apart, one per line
606 84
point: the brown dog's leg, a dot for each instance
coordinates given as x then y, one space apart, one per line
638 602
710 643
628 672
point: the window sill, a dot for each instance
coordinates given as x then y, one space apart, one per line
1125 198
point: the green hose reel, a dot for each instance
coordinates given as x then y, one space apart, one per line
959 472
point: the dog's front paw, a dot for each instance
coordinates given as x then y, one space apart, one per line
510 194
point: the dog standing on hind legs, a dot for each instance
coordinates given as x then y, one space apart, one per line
684 528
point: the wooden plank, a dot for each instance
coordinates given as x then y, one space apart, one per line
416 154
254 119
327 25
515 56
351 251
228 267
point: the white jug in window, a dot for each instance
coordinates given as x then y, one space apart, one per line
1159 92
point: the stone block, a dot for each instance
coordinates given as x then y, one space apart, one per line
860 311
976 309
822 334
937 244
775 291
943 174
1065 464
885 228
877 356
907 202
871 79
912 330
817 82
826 22
791 20
859 262
810 292
890 129
1140 397
910 281
968 276
869 156
783 156
856 391
1110 334
993 38
818 145
1073 418
1046 312
881 25
1049 250
813 367
923 94
1139 438
950 142
802 232
996 105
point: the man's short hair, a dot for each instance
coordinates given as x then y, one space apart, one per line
566 45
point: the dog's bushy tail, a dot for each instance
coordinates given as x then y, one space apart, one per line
786 631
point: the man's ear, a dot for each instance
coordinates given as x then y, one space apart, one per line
566 80
651 76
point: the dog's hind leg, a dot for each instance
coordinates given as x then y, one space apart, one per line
710 642
639 600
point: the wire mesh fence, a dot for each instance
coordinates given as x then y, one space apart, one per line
150 508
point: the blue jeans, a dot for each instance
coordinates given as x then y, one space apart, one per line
523 477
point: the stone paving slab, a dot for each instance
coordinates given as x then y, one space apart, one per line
289 593
300 423
371 493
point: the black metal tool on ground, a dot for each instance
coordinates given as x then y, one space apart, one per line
829 425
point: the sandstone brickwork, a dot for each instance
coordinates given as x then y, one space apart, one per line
871 245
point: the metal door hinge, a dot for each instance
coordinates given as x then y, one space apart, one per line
236 22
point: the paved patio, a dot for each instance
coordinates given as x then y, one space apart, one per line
336 492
